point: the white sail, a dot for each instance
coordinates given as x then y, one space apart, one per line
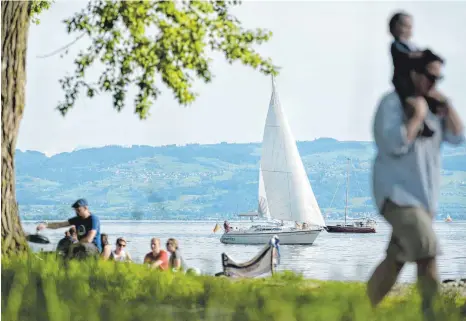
288 191
262 208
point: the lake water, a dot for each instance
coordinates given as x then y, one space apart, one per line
331 257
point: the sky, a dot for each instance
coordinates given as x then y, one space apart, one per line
335 66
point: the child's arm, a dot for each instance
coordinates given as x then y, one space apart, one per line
400 51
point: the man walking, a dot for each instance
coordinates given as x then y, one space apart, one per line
406 180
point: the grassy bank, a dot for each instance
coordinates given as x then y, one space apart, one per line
35 289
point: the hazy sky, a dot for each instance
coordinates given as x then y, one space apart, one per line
335 66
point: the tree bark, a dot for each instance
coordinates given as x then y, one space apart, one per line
15 27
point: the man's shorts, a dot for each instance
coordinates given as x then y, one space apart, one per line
413 237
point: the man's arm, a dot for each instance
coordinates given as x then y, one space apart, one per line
399 51
89 237
163 258
453 127
156 264
53 226
394 135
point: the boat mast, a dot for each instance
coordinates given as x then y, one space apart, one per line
347 188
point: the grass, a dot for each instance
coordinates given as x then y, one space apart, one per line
46 289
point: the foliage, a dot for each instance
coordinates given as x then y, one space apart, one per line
37 7
44 289
136 41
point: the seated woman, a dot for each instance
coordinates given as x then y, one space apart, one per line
119 254
157 258
176 260
106 247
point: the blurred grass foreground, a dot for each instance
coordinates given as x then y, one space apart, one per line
44 288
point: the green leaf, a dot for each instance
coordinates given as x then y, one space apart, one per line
138 42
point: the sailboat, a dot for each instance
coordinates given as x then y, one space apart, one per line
262 209
285 193
367 226
448 219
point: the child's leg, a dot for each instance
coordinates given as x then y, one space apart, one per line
408 105
405 91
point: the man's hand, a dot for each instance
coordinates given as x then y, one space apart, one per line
41 226
442 107
434 93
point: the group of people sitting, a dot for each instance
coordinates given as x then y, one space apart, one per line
157 258
83 239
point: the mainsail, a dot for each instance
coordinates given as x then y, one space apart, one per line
288 192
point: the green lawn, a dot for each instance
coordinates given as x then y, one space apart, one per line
44 289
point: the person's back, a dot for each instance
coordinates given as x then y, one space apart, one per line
64 245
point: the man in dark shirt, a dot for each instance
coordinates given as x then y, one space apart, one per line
87 227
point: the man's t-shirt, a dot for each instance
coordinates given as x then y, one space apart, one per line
162 256
85 225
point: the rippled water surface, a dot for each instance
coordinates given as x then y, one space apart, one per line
332 256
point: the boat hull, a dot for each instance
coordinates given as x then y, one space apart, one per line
349 229
296 237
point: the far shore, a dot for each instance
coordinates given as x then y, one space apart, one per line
204 220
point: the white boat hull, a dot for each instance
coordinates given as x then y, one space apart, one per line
291 237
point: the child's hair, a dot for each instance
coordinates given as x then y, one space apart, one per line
394 20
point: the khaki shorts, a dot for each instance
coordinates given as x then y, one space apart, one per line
413 237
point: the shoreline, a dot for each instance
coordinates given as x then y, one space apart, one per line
196 220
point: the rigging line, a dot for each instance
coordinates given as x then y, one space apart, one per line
334 194
62 48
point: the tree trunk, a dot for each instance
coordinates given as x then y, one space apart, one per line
15 27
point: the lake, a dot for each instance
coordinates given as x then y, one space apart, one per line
331 257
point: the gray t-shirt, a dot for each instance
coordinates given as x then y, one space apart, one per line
407 173
177 255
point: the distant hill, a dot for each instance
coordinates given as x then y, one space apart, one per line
203 181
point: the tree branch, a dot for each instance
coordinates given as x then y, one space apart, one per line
62 48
